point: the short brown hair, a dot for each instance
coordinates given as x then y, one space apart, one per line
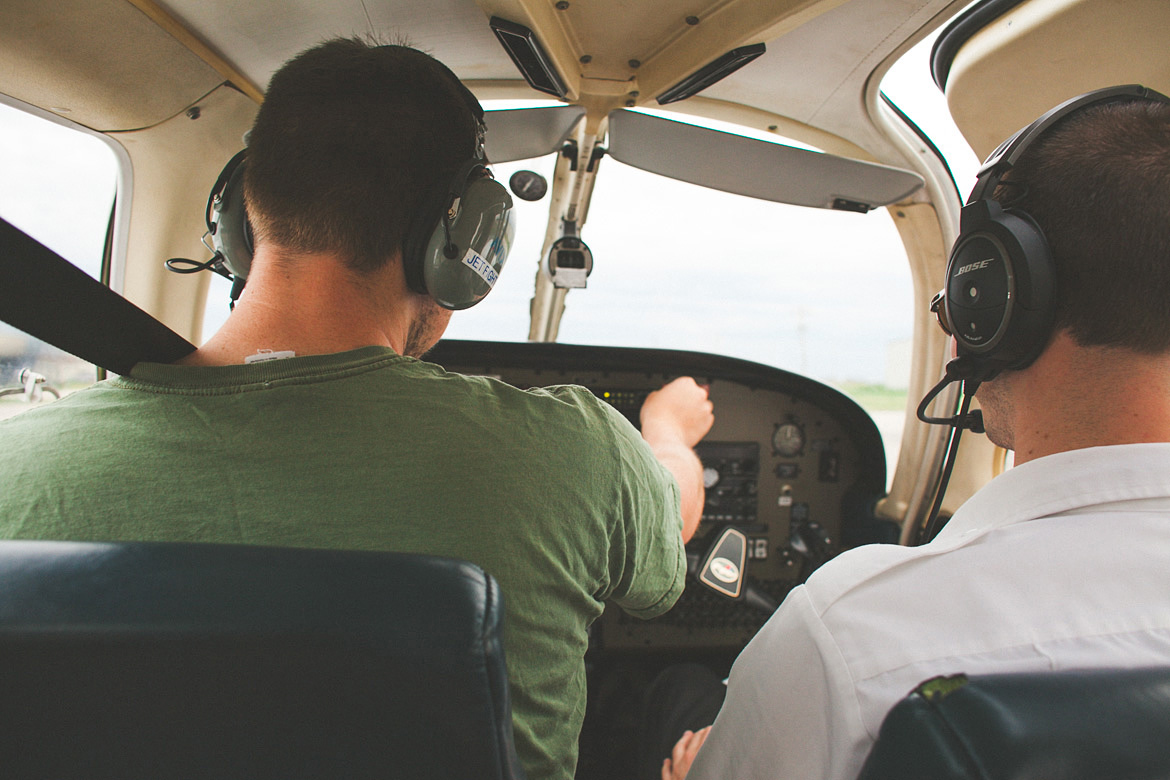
1098 185
351 139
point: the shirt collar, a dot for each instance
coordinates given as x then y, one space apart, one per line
1063 482
148 376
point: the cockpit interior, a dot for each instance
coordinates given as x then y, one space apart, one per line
740 191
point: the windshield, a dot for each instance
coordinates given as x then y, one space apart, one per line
822 293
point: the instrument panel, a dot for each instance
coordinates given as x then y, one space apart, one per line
791 463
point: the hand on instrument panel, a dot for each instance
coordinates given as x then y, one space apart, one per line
685 750
674 419
680 410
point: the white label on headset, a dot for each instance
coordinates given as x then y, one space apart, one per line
476 263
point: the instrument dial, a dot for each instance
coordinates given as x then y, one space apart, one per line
788 439
528 185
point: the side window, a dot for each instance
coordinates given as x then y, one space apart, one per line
58 186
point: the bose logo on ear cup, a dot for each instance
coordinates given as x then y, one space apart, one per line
975 266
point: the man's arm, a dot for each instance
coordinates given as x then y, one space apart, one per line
674 419
791 709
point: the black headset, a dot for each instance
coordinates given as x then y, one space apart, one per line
453 250
998 302
998 298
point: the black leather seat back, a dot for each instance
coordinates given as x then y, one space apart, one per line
145 660
1111 724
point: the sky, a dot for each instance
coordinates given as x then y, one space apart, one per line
822 293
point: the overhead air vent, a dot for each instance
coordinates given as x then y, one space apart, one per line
706 76
530 57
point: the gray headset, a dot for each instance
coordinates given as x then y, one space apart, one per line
454 249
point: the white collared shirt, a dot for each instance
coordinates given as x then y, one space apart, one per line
1062 562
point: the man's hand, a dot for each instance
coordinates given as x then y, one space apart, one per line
685 750
674 419
680 410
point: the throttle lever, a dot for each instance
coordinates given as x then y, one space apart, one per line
723 570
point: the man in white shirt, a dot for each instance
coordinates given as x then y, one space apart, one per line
1062 562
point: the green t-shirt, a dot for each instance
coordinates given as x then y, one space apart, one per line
549 490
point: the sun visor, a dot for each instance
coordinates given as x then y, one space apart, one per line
523 133
757 169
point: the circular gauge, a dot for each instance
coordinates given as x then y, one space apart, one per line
710 477
528 185
788 439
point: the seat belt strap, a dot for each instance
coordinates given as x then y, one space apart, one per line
47 297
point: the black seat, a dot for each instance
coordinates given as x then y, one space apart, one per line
137 660
1111 724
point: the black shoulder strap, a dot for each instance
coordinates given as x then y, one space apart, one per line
48 297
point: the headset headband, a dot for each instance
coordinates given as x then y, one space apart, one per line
473 105
1004 158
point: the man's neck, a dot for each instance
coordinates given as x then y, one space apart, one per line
1090 396
310 305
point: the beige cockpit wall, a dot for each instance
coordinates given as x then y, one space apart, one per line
1043 52
111 67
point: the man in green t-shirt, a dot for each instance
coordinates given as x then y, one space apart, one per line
308 419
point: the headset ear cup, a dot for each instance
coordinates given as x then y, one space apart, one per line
1034 311
463 259
417 238
231 235
999 288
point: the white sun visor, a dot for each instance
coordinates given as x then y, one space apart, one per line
757 169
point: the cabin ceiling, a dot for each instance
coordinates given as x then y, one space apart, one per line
111 66
101 63
1043 52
